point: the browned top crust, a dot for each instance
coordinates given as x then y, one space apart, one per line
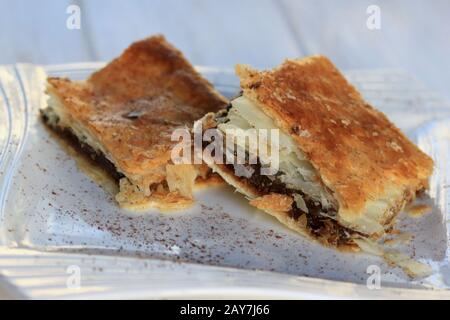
360 155
134 103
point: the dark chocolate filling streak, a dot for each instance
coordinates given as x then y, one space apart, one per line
95 157
319 225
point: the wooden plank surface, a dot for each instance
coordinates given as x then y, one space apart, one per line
219 33
413 34
35 32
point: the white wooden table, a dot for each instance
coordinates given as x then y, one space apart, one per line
414 35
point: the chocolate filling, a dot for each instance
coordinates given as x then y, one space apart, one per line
95 157
317 221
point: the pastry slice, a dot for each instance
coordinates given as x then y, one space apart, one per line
122 118
343 170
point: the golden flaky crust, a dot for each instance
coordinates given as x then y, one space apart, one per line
360 155
130 108
133 104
